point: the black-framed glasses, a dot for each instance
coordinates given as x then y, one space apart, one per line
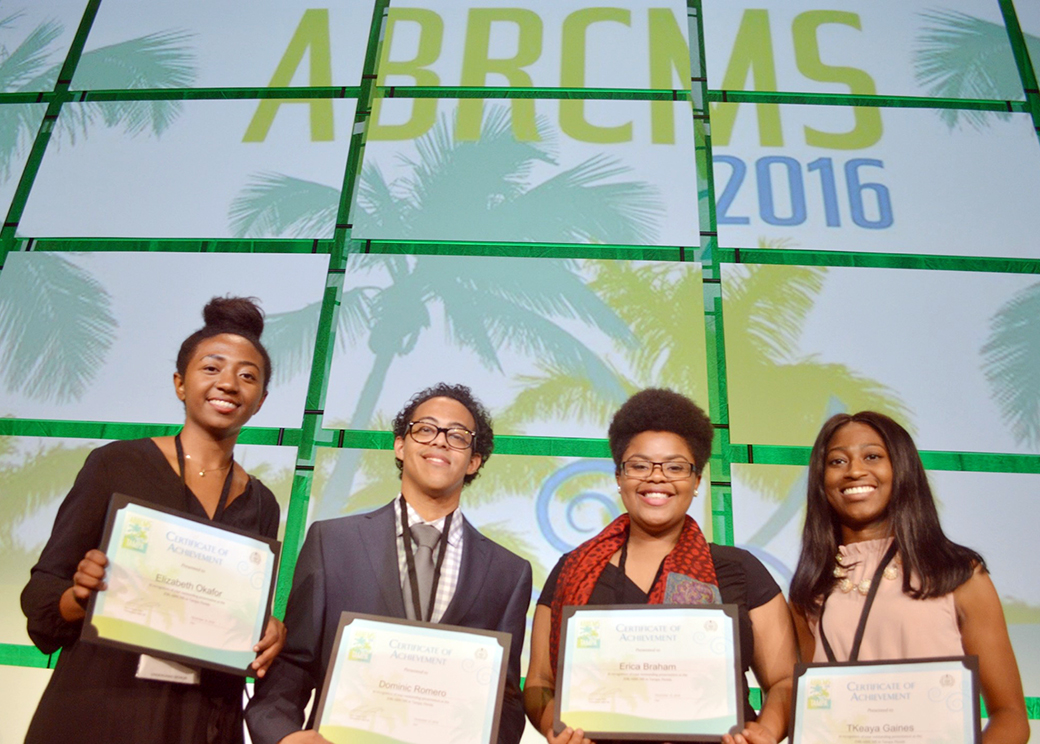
424 432
671 469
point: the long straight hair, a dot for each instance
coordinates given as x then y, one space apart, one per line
940 564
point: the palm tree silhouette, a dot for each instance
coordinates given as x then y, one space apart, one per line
1011 363
488 306
476 191
961 56
32 481
765 309
656 301
56 327
159 60
153 61
481 191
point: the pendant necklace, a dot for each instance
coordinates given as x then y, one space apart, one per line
203 471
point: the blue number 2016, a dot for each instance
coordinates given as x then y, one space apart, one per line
776 166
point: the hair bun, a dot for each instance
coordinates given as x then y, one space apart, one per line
241 314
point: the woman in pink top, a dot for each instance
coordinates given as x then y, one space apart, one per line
870 518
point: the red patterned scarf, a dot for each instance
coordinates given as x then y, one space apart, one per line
691 557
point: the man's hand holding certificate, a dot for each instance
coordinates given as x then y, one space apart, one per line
181 588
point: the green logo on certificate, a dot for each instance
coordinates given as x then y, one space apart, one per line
819 694
136 535
588 634
360 647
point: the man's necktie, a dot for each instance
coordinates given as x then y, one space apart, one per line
426 537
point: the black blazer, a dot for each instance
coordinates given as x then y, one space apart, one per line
350 564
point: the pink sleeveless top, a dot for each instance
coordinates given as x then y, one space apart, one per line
899 627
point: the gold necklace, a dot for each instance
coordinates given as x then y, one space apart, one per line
203 471
845 584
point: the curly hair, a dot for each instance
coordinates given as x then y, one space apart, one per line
483 441
926 552
240 316
658 409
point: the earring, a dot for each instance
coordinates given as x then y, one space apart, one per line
619 489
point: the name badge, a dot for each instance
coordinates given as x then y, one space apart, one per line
164 670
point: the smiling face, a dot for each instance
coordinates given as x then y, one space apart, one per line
222 385
857 480
657 506
435 471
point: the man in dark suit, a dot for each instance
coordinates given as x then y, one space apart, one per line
367 563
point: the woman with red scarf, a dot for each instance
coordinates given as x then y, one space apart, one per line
660 442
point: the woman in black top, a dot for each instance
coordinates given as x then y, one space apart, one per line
660 442
97 693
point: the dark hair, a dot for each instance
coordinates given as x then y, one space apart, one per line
940 564
241 316
483 442
657 409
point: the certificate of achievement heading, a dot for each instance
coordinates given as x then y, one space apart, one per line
899 702
650 672
182 588
403 682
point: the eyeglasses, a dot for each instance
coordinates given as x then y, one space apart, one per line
643 469
458 438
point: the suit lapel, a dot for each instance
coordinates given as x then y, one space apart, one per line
379 537
472 574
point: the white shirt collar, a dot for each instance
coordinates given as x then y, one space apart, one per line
454 533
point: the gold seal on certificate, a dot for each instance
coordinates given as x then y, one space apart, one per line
894 702
403 682
650 671
182 588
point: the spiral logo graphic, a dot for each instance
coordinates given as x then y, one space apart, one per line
549 493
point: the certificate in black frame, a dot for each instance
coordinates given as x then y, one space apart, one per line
346 618
90 632
727 611
970 663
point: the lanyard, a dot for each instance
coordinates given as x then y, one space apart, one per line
218 515
409 557
858 638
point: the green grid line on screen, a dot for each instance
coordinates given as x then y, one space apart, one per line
110 245
978 462
548 94
526 250
780 256
838 99
205 94
20 427
28 656
1019 44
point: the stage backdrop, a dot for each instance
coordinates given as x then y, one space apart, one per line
782 209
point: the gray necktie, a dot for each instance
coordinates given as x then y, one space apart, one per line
426 537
